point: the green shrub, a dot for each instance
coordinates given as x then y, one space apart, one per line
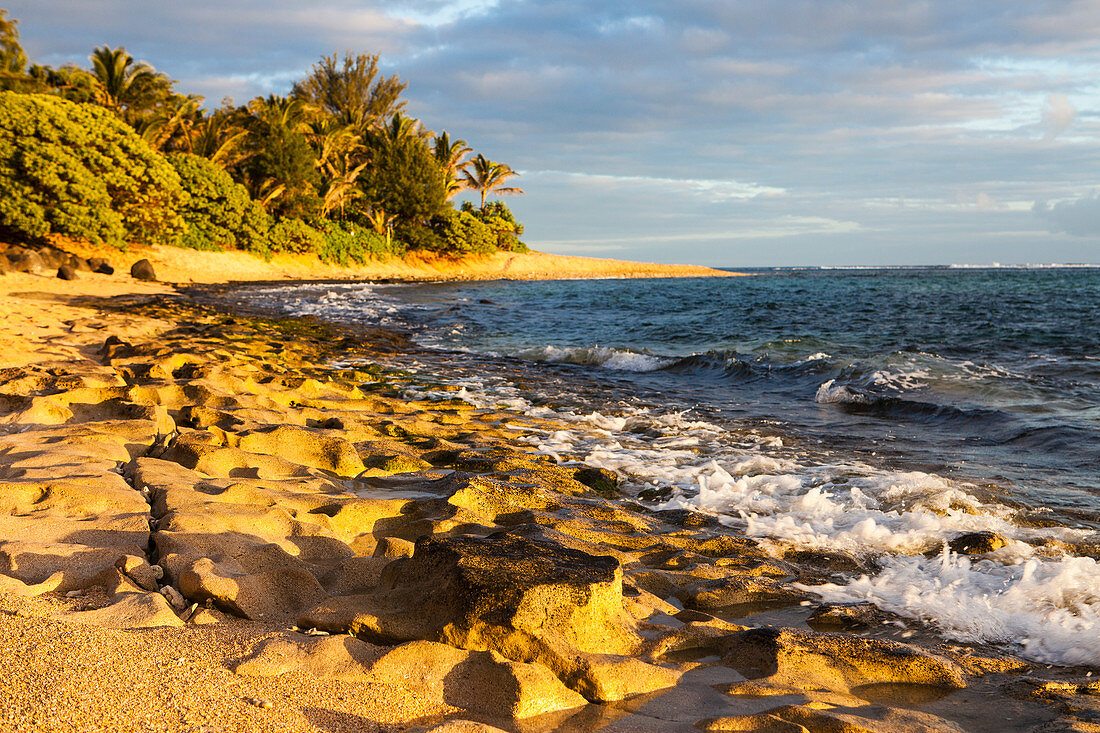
347 241
219 212
415 236
78 170
294 235
464 233
499 220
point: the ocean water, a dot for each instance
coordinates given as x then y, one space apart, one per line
878 412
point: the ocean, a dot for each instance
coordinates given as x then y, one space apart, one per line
879 412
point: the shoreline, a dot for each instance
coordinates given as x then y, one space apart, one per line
272 491
186 266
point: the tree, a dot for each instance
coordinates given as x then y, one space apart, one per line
125 86
13 61
350 92
219 137
451 158
402 178
485 177
279 169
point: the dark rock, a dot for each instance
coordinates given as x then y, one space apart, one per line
101 266
805 660
53 257
4 266
600 480
977 543
737 590
79 263
143 270
829 560
27 261
655 493
66 273
845 616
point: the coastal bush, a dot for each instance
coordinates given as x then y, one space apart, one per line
498 218
295 236
78 170
219 212
464 233
346 242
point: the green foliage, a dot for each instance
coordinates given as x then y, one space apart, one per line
499 220
12 58
295 236
403 179
78 170
464 233
219 212
419 237
346 242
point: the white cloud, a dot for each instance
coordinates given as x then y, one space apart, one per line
710 189
1058 114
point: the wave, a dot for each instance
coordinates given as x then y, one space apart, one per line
601 356
856 400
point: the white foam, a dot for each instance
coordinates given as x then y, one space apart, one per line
602 356
1048 608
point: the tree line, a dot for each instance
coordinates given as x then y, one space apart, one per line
336 167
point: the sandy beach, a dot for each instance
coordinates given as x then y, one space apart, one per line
209 526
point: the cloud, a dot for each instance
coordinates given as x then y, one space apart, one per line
1058 114
1077 217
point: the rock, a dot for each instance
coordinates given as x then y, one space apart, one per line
394 547
600 480
174 597
977 543
827 718
736 590
5 268
531 601
133 611
27 261
462 726
483 682
143 270
101 266
304 447
800 660
65 272
845 616
79 264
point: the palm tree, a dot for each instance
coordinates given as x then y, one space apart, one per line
486 177
118 78
173 126
451 159
349 91
219 138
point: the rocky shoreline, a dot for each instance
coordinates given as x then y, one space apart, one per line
216 522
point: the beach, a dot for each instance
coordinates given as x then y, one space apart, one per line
216 521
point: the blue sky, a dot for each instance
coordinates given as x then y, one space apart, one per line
720 132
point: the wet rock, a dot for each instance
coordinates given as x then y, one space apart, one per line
827 718
977 543
143 270
800 660
736 590
101 266
600 480
65 272
846 616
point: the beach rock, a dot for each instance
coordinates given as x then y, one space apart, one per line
101 266
483 682
600 480
27 261
846 616
530 601
736 590
829 719
802 660
460 726
79 264
66 272
143 270
131 611
304 447
977 543
5 266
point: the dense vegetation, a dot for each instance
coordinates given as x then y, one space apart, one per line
112 153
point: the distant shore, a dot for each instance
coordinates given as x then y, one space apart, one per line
191 266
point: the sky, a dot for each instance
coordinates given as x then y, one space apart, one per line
716 132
